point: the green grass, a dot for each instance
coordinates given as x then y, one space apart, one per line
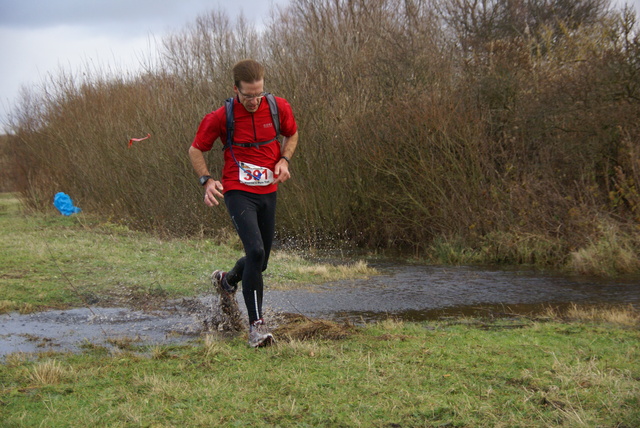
56 261
52 261
461 374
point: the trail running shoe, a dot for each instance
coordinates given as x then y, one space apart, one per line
259 336
220 282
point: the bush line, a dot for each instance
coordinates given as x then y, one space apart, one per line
459 131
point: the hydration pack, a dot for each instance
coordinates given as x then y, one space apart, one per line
273 107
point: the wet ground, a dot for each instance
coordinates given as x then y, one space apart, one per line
73 329
406 292
418 293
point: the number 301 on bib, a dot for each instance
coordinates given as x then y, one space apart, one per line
254 175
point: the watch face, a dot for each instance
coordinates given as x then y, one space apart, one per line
204 179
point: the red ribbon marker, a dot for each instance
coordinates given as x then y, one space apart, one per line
138 139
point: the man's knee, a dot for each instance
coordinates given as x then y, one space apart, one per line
256 255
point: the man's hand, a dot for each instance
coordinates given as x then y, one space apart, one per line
212 189
281 171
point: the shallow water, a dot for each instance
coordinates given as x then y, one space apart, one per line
425 292
69 330
405 292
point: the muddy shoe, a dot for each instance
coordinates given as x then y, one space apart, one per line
259 336
226 313
219 281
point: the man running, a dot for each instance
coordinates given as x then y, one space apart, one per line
254 164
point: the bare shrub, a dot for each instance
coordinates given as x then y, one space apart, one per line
482 123
78 141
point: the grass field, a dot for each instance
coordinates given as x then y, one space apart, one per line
579 368
462 374
52 261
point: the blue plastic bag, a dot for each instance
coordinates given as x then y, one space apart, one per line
64 204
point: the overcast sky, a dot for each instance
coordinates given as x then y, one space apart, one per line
42 37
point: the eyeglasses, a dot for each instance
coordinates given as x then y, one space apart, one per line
253 97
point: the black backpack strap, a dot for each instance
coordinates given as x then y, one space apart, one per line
255 145
228 104
275 116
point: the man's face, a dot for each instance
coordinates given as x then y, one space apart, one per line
250 94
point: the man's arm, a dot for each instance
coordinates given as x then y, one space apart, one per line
289 145
212 188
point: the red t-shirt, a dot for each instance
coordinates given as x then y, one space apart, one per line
249 128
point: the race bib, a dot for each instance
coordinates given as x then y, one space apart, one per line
254 175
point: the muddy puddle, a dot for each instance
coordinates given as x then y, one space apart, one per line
73 329
412 293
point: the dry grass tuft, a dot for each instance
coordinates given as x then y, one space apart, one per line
27 308
391 324
298 328
15 359
626 315
213 346
331 272
159 353
7 306
48 372
124 343
611 253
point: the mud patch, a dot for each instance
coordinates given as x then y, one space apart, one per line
299 327
119 295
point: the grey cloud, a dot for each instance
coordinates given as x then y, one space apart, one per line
171 13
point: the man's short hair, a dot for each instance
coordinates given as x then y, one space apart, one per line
247 70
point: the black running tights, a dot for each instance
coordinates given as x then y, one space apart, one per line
254 217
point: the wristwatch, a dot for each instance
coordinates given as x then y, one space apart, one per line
203 180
